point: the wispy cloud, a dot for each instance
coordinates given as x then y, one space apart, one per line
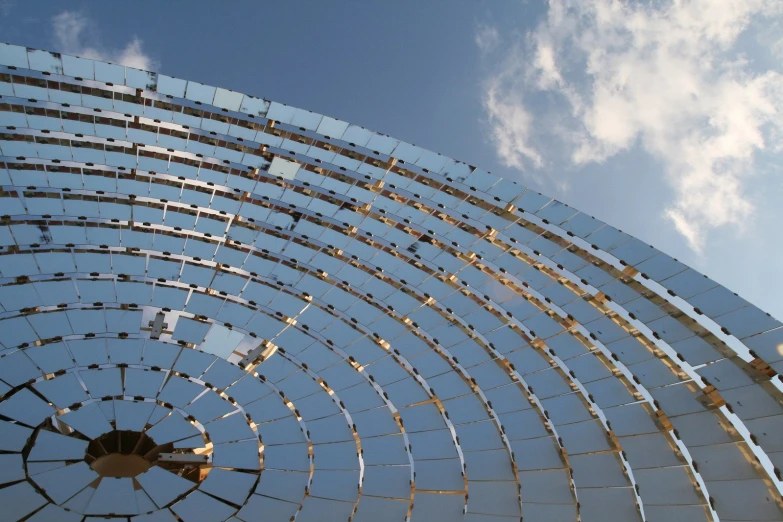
487 38
511 124
667 76
73 35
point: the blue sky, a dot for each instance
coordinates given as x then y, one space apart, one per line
663 118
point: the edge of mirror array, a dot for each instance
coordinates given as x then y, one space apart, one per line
215 307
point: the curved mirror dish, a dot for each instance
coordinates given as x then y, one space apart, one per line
214 307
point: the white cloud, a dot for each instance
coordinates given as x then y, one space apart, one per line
510 122
73 35
667 76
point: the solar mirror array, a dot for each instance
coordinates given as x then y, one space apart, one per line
216 307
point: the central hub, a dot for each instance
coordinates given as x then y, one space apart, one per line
128 454
121 454
120 465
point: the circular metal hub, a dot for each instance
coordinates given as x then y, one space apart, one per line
120 465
